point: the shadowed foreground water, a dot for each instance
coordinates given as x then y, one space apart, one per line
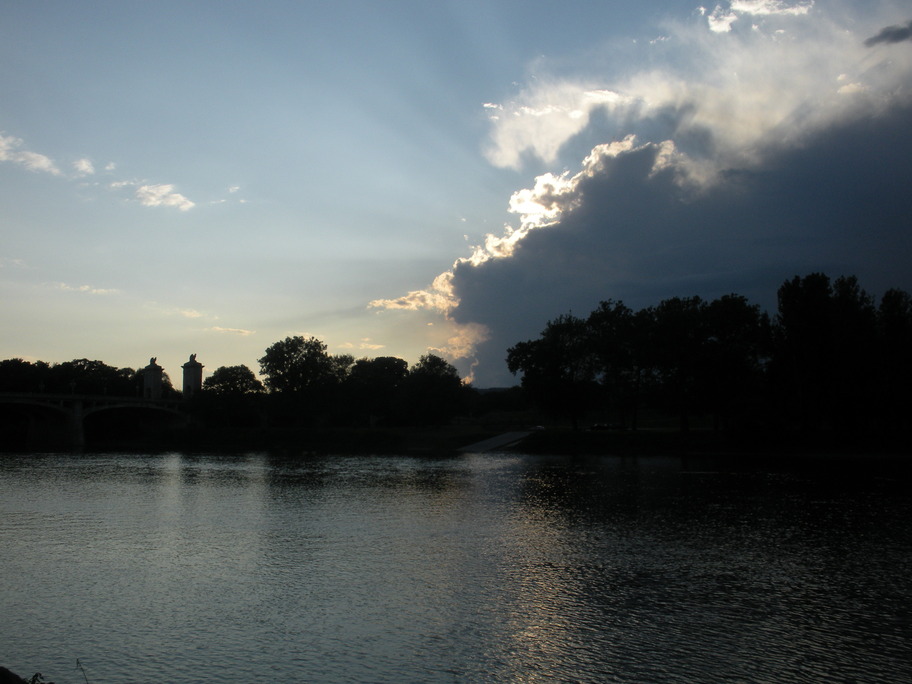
485 567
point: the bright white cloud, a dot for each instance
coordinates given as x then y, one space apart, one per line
720 20
738 92
722 17
162 195
151 195
542 118
439 297
84 167
771 7
11 150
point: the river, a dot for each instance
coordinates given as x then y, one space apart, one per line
478 567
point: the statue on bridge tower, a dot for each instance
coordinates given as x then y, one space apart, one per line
193 377
152 380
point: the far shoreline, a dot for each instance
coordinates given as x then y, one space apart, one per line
537 440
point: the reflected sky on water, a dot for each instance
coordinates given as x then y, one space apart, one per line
482 567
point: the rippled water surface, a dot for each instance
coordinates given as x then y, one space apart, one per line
486 567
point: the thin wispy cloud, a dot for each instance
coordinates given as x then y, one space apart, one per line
365 344
232 197
13 150
179 311
85 289
232 331
722 17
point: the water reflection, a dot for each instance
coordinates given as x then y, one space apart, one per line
188 568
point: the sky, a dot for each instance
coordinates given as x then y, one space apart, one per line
407 177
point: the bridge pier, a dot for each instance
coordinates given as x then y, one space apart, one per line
75 426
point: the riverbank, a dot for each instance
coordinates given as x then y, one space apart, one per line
711 443
316 440
515 438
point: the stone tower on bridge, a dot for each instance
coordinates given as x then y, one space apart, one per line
193 377
152 380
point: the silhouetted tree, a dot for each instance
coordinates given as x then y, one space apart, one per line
374 387
614 339
233 380
825 337
685 354
17 375
894 360
341 365
803 348
303 378
678 349
854 346
558 369
735 350
82 376
296 364
433 391
233 397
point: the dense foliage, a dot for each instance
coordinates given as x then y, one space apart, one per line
308 385
829 360
302 385
80 376
232 381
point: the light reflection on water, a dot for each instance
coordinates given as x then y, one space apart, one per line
474 568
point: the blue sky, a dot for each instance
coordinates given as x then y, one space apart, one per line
403 177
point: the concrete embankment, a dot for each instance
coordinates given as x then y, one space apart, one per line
494 443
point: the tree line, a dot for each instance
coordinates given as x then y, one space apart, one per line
305 385
302 385
830 359
79 376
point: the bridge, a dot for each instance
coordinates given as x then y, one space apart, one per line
62 416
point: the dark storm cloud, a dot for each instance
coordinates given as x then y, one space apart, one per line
839 204
734 160
891 34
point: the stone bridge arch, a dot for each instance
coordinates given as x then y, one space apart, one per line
61 419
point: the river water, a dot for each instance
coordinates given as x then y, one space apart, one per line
482 567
